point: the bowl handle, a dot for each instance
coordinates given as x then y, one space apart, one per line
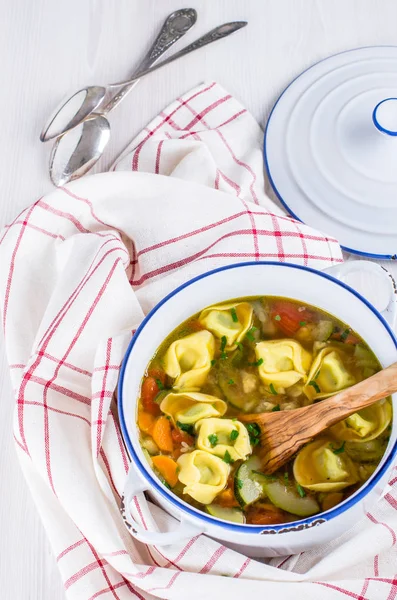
354 266
134 486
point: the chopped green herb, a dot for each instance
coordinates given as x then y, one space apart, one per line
276 408
302 323
164 482
315 385
255 441
286 478
223 356
213 362
257 363
239 345
168 417
186 427
301 491
272 389
344 334
231 382
254 432
223 343
160 384
227 458
338 450
250 334
234 315
240 483
234 434
277 318
213 439
234 419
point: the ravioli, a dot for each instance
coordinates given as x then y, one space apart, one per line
189 407
328 374
203 474
282 363
231 321
188 360
219 436
365 425
321 467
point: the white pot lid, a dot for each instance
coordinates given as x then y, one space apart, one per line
331 149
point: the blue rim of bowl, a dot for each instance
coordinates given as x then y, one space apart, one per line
281 199
172 498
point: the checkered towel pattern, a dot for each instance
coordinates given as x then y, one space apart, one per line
78 270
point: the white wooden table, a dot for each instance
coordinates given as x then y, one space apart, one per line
52 47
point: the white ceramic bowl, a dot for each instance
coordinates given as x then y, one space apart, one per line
250 279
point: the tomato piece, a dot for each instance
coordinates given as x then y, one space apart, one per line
288 317
157 373
149 391
180 436
195 326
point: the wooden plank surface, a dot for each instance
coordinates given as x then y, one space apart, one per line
50 48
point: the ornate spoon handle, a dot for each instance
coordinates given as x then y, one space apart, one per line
175 26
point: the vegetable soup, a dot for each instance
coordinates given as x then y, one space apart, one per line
250 355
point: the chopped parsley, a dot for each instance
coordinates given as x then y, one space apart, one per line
239 345
257 363
250 334
239 483
160 384
344 335
338 450
227 458
231 382
234 434
234 315
286 478
213 362
213 439
223 343
315 385
186 427
272 389
277 318
276 408
301 491
254 432
302 323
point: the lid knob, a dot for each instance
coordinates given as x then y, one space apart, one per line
385 116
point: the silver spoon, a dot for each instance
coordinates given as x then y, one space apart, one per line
101 100
75 152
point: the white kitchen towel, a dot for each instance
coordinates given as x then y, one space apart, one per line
79 269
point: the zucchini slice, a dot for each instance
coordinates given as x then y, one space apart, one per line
288 499
235 515
247 487
323 331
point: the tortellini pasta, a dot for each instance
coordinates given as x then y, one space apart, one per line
328 374
188 360
319 468
189 407
365 425
231 320
219 436
203 474
284 363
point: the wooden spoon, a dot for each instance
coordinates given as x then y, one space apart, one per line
284 432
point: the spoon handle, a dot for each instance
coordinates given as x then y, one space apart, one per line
175 26
345 403
212 36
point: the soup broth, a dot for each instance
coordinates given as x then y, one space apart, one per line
252 355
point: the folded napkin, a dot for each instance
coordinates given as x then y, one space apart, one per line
78 270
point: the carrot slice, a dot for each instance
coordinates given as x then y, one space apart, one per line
146 421
161 434
265 514
167 468
227 498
